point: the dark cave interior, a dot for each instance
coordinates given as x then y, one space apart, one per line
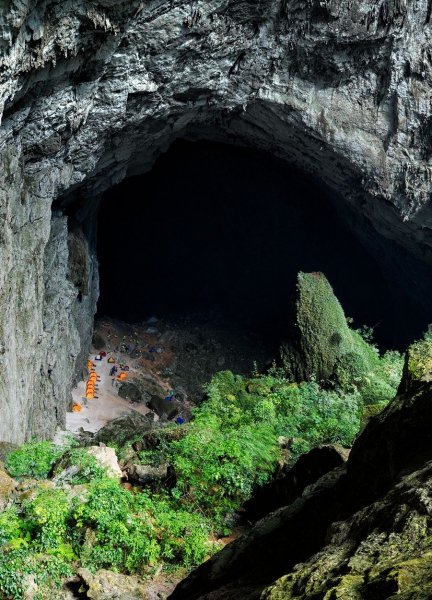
222 231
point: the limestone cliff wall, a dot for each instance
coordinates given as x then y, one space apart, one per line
93 90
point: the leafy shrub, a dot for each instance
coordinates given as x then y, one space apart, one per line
11 529
375 377
46 571
183 535
46 520
121 540
34 459
131 532
231 445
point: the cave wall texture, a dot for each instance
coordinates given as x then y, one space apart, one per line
94 90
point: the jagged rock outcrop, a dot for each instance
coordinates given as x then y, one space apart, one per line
93 90
360 532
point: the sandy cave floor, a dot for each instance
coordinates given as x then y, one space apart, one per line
189 352
106 406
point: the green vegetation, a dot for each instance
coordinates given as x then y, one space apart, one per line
96 525
35 459
375 377
420 359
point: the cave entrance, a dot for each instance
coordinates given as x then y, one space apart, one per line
214 235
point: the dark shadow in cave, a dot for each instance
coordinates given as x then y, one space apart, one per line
221 227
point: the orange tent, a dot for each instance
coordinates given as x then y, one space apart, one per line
76 407
122 376
89 395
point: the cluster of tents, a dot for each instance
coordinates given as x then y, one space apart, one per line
92 381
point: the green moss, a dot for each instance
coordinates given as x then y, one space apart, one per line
321 331
419 362
410 579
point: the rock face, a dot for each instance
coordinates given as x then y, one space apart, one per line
91 91
284 489
361 532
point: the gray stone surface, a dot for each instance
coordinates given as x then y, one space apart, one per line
93 90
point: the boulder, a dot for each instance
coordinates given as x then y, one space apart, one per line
106 585
144 474
106 458
164 408
125 428
28 489
98 342
140 389
153 439
130 391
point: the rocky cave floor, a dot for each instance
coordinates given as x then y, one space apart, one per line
175 354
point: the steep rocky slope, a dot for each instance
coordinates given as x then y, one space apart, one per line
361 532
91 91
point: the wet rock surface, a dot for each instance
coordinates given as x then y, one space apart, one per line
87 96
